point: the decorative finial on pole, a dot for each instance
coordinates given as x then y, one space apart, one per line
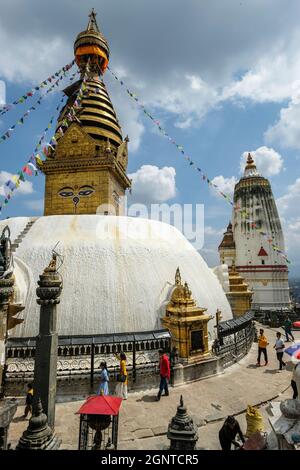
178 277
92 22
250 162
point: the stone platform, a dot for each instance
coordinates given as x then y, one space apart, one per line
143 421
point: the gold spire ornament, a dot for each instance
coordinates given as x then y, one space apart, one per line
87 169
92 43
177 277
250 163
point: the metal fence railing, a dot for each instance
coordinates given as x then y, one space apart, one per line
234 339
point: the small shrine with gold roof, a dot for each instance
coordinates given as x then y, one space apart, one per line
187 322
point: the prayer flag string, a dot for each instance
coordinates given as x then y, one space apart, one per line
193 165
20 121
30 168
35 160
32 91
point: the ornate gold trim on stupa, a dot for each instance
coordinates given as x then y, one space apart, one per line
187 322
86 172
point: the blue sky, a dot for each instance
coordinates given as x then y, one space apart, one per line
222 77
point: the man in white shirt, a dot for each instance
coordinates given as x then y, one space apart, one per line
279 348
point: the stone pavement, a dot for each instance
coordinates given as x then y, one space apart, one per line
143 421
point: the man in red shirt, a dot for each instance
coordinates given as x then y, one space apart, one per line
164 366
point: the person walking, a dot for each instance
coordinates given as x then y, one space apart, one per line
288 329
29 400
228 432
262 347
164 369
104 379
293 382
279 348
122 378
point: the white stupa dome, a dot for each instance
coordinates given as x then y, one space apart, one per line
118 273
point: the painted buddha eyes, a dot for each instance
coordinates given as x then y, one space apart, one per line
66 192
83 191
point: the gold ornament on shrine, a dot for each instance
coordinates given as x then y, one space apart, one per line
187 323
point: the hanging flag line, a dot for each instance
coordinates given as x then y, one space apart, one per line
71 116
204 177
35 159
31 165
20 121
31 92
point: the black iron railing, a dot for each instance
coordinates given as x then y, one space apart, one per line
234 338
79 355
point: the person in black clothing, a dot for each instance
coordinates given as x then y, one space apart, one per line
228 432
29 400
293 382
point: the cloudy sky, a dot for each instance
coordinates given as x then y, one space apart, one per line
223 78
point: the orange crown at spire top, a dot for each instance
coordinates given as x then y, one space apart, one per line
250 162
91 47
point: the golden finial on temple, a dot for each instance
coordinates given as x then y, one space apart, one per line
177 277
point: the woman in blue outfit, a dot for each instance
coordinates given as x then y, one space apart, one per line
104 379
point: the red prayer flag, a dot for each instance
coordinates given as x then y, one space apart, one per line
27 170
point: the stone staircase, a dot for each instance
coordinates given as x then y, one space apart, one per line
22 235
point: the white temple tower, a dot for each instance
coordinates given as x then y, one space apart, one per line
263 268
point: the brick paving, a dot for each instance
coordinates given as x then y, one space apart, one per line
143 421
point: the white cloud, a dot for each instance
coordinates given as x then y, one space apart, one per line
151 184
275 78
291 229
16 61
208 230
2 93
37 205
190 101
184 78
210 255
25 187
288 204
267 160
288 208
286 132
226 185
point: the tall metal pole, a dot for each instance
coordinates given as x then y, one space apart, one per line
40 432
48 292
92 365
133 361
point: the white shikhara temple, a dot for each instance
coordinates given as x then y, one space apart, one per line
263 268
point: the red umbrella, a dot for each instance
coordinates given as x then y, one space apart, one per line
100 405
296 324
